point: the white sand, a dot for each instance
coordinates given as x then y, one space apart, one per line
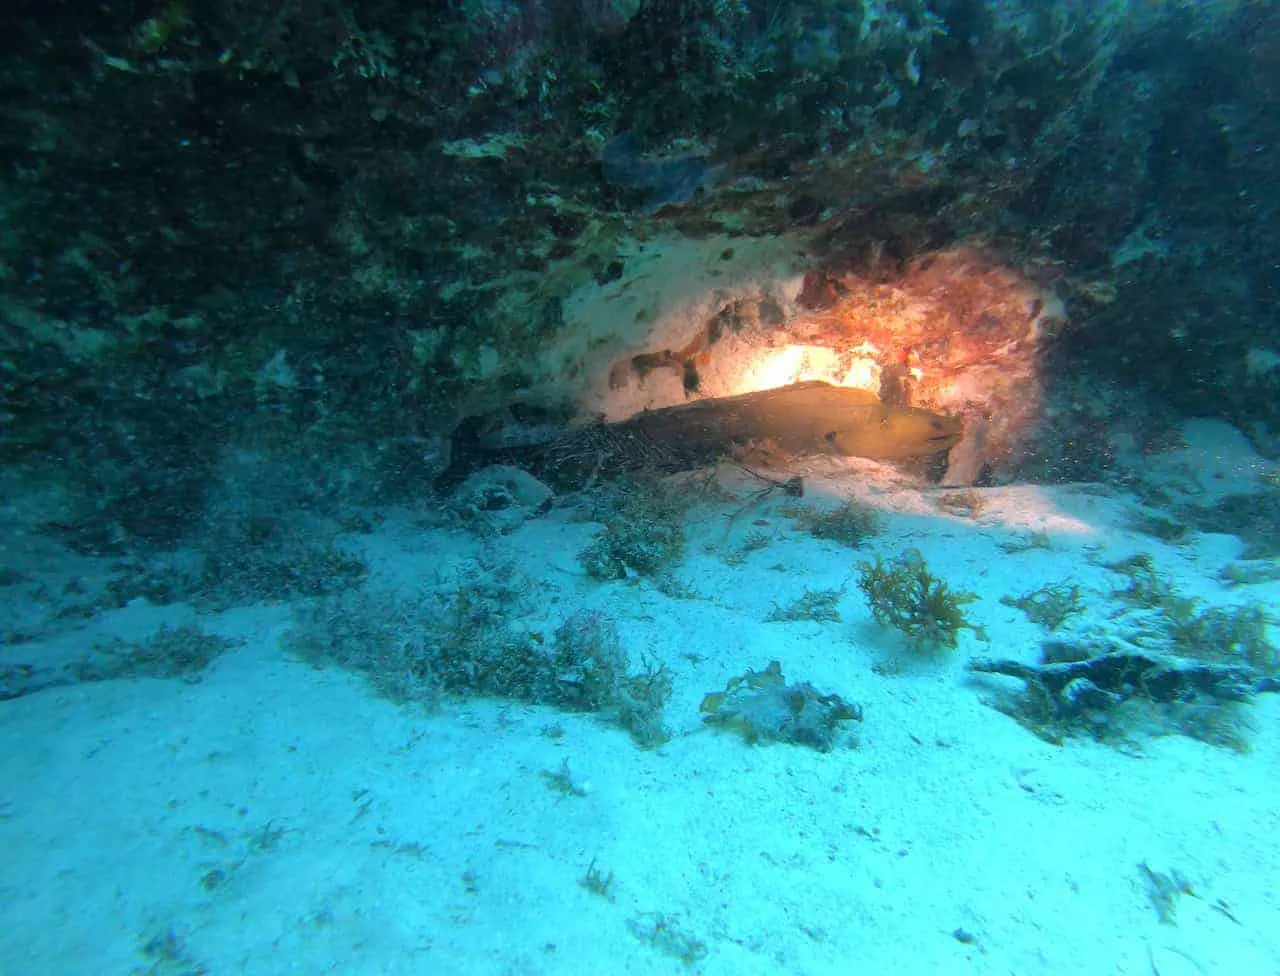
350 835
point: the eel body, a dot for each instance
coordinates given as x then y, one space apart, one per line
802 419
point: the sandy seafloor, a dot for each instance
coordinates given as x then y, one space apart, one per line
357 836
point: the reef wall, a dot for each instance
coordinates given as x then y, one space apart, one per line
329 228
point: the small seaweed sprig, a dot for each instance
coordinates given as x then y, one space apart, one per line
1050 606
906 595
598 881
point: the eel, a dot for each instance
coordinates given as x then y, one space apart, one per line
803 419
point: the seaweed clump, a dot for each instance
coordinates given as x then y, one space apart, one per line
819 606
643 536
904 594
760 705
1236 634
171 652
851 523
590 670
1162 664
469 642
418 647
1163 619
1050 606
1108 690
664 933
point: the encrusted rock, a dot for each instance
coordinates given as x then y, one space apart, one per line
501 497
